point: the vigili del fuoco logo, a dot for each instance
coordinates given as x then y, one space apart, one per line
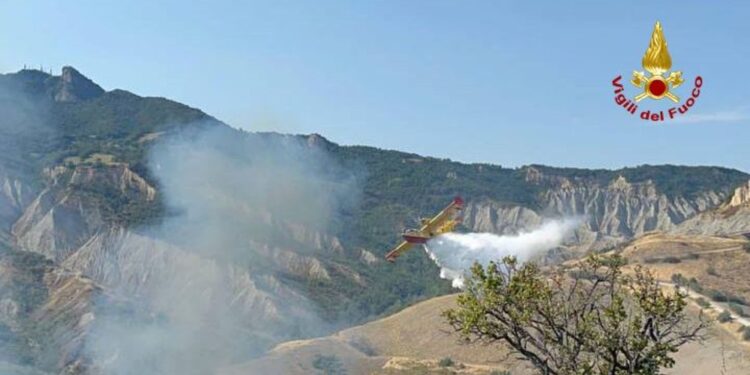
656 83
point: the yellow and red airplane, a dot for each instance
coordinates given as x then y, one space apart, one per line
443 222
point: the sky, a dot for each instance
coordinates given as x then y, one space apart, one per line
504 82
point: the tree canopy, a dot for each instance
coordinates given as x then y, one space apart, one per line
592 319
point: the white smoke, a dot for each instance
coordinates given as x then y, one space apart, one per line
213 289
455 253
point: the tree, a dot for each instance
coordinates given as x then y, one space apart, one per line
594 320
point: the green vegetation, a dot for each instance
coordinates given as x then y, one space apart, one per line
604 325
25 286
720 296
363 345
115 127
702 302
724 316
328 365
712 271
691 283
446 362
671 259
738 309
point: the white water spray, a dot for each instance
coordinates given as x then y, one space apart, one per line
455 253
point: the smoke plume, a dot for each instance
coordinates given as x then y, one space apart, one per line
455 253
239 205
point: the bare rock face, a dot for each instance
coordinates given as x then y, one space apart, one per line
292 263
73 86
609 213
731 218
741 196
171 279
489 216
15 195
71 306
64 215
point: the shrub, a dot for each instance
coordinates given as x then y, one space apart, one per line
712 271
328 364
678 279
717 295
738 309
446 362
736 299
363 345
746 333
668 259
724 317
695 285
702 302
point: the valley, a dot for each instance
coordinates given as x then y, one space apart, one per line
124 217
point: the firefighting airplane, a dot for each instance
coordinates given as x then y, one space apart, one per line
443 222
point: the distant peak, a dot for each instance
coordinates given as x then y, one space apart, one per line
318 140
73 86
741 195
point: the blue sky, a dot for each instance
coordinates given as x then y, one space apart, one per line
511 83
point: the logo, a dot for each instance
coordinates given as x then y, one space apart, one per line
656 83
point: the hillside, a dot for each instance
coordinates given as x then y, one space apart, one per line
414 341
262 237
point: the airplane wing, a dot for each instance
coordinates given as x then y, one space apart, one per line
446 214
443 222
397 251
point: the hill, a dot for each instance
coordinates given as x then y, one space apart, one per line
415 340
165 209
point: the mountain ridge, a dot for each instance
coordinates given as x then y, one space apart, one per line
88 203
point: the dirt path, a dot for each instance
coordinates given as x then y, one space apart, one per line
718 307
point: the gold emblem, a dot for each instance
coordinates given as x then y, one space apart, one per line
657 61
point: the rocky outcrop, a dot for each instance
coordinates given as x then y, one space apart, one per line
73 86
740 197
56 224
292 263
167 277
15 195
731 218
68 212
610 213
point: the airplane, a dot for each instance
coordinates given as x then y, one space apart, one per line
444 222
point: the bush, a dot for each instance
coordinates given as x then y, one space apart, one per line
720 296
363 345
328 364
678 279
693 284
746 333
702 302
724 317
446 362
717 295
736 299
712 271
738 309
668 259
